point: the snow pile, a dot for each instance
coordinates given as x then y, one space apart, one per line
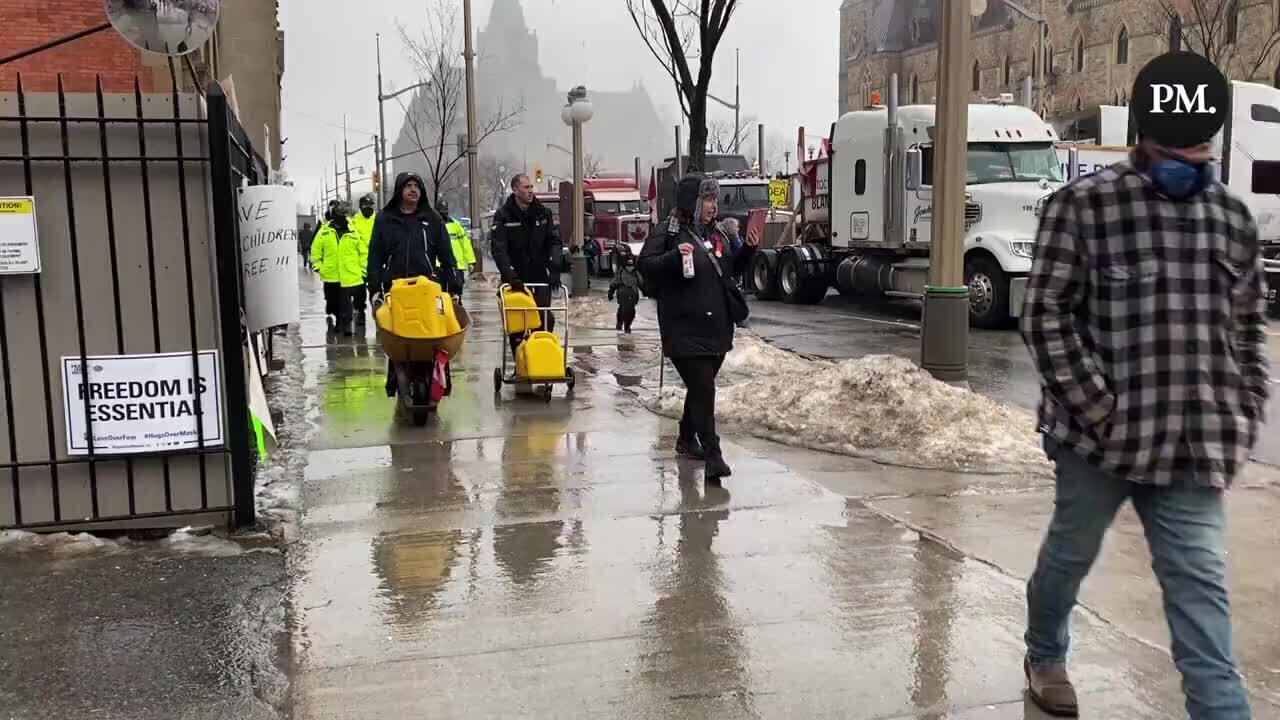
594 312
280 478
187 541
879 406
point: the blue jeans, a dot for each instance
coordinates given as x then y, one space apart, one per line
1184 525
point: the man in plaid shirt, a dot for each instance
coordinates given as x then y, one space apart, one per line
1144 314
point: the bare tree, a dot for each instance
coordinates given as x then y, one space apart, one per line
591 164
1213 30
775 145
678 33
720 137
436 117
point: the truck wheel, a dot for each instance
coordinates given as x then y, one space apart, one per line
988 293
796 286
764 274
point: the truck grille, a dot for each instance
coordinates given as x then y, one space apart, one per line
972 214
635 232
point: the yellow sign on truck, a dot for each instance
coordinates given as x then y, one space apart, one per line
778 194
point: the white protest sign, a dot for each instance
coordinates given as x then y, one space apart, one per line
141 403
19 242
268 246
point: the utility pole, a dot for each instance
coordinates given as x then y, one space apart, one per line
737 100
346 156
945 333
473 174
337 180
382 127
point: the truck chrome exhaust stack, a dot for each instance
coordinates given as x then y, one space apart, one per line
894 171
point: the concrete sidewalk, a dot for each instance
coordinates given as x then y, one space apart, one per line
519 558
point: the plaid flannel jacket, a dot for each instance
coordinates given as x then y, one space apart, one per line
1145 318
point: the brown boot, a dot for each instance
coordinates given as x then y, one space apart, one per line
1051 689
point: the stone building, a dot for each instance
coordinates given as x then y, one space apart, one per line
508 74
1093 48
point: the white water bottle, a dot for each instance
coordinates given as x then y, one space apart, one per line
687 262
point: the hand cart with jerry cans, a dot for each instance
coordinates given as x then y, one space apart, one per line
540 359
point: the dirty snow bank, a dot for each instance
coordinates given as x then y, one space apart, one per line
279 479
878 406
187 541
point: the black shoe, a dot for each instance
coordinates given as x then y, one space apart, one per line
619 327
628 330
716 468
690 448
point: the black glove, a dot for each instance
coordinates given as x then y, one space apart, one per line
516 286
611 292
554 282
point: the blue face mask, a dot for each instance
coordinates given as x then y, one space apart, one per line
1179 179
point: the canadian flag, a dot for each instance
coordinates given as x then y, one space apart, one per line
440 376
653 196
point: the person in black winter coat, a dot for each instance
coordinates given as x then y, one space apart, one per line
526 246
693 313
409 240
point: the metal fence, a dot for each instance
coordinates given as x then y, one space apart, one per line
136 209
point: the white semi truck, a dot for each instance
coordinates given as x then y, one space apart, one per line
865 213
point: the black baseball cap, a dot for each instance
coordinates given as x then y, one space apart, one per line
1180 100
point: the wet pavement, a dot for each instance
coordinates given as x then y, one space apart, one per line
522 558
149 632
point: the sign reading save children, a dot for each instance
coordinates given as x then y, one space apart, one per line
141 403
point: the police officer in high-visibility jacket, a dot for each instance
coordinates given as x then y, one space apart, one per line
324 258
461 241
351 270
362 224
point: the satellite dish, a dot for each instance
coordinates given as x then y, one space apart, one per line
977 8
167 27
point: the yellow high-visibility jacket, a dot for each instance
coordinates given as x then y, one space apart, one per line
462 252
351 259
324 253
364 228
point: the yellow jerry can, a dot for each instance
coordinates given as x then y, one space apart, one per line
540 357
418 309
519 319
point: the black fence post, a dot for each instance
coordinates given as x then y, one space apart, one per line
227 244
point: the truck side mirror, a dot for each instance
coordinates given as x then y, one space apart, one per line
915 169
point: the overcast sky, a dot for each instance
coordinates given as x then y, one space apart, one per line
789 66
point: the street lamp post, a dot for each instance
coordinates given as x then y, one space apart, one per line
576 112
473 161
945 333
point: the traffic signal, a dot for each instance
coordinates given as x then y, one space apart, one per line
537 174
377 181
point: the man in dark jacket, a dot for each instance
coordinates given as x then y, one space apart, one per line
526 245
408 240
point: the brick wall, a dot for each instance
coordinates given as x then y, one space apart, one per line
27 23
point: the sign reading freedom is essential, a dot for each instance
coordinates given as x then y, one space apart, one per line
268 246
141 403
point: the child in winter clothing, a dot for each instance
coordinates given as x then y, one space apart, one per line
626 286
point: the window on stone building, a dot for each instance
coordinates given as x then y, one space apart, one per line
1079 59
977 76
1079 104
1048 59
915 89
1008 71
1122 46
1175 33
1231 31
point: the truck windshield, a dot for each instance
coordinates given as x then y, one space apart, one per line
1012 162
744 196
622 207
